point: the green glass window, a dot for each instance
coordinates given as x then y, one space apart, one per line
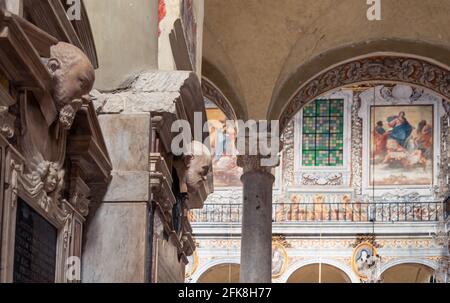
323 133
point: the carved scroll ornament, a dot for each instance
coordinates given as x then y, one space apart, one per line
377 68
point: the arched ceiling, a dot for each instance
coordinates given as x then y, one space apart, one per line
261 48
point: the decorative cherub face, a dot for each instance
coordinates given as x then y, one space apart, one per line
51 180
72 73
49 175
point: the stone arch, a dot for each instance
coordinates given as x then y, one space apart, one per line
408 261
221 85
212 264
309 82
214 94
430 263
302 263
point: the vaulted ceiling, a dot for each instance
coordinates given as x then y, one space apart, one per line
258 52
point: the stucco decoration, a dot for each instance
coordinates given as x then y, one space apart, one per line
357 146
377 68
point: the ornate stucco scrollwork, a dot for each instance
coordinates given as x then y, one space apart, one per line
44 186
67 232
16 169
377 68
73 78
357 146
444 172
401 92
288 154
332 179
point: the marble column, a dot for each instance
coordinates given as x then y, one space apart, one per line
256 242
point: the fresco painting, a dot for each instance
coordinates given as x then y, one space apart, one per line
401 145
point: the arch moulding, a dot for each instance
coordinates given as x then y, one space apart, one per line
302 263
211 264
374 68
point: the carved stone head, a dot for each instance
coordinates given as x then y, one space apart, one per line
73 78
197 164
49 175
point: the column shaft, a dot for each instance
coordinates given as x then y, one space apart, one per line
256 243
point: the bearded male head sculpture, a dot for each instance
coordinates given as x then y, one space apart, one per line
194 167
73 77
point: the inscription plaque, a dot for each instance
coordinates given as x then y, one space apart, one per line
35 247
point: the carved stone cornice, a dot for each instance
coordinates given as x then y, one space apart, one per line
377 68
161 183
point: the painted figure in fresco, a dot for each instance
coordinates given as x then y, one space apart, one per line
223 138
277 261
402 145
423 138
380 136
214 129
401 129
396 154
397 141
224 151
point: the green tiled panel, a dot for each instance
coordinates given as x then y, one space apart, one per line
323 125
323 128
337 107
309 110
336 158
336 141
309 142
309 158
309 125
336 124
323 108
322 158
322 141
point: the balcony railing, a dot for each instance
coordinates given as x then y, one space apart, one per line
337 212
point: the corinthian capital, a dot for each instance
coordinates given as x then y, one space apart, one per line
254 163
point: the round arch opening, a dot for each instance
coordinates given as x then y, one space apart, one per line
222 273
319 273
408 273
